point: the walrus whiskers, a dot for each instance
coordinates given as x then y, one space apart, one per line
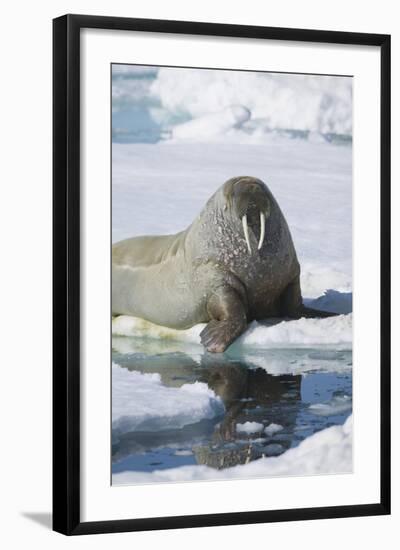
246 232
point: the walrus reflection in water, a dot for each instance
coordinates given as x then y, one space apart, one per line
234 264
248 395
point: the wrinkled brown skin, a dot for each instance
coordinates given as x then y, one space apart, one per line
206 274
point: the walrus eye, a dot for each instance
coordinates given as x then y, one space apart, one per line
262 230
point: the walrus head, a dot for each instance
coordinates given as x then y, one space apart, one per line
249 200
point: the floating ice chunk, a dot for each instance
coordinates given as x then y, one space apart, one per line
141 402
249 427
273 429
184 452
337 405
211 124
259 440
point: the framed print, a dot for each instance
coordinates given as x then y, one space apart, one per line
221 274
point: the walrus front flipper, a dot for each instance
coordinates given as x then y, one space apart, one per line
228 320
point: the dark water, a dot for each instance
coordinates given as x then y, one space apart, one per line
301 404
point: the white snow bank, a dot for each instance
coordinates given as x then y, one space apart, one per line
333 330
326 452
141 402
249 427
212 124
295 333
314 103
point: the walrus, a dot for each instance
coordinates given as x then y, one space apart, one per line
234 264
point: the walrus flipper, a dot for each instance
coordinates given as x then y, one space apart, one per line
228 320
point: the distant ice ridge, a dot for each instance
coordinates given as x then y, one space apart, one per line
314 103
141 402
325 452
333 330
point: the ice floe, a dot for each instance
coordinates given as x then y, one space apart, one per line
141 402
249 427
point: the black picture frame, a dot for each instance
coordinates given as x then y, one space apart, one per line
66 273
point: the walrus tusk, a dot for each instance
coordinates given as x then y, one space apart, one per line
246 232
262 230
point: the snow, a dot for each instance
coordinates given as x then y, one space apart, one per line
333 330
288 333
302 102
212 124
249 427
325 452
141 402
